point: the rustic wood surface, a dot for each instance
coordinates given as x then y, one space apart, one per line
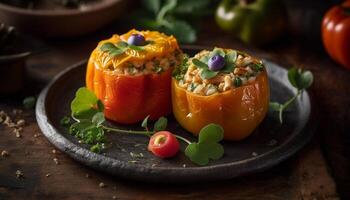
307 175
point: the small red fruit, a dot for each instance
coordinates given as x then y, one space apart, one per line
163 144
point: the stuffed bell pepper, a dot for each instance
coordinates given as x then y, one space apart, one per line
131 74
222 86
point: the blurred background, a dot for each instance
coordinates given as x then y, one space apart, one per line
40 38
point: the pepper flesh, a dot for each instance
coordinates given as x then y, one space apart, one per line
258 22
239 111
130 98
336 33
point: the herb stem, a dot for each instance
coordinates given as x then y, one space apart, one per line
183 139
146 133
286 104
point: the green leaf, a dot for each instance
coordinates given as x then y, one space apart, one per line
211 133
168 6
213 150
196 155
182 30
306 79
136 48
92 135
98 118
217 51
293 76
79 127
237 81
65 121
84 105
199 64
231 56
258 66
228 68
112 49
122 44
100 106
107 46
207 74
160 124
204 59
97 148
144 123
29 102
152 5
275 106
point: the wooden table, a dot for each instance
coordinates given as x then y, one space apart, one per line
304 176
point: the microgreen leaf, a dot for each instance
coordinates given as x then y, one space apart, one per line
199 63
160 124
274 106
112 49
231 56
211 133
196 155
65 121
144 123
122 44
98 118
306 79
136 48
237 81
217 51
299 79
29 102
84 105
228 68
208 74
207 146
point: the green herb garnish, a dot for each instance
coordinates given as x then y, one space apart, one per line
119 48
89 128
208 146
230 59
299 79
29 102
180 70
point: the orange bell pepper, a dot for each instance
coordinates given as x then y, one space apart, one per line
239 111
130 98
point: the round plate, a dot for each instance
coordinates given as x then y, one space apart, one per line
270 143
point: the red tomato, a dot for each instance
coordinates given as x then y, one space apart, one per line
336 33
163 144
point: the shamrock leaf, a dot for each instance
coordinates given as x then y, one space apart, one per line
300 79
208 74
275 106
217 51
160 124
98 118
144 123
211 133
207 147
85 104
199 64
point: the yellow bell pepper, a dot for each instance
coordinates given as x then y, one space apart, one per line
239 111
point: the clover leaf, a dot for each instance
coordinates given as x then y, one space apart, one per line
85 104
299 79
119 48
208 147
160 124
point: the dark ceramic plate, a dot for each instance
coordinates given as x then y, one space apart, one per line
270 144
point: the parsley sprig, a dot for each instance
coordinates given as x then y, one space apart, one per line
299 79
230 59
89 128
120 48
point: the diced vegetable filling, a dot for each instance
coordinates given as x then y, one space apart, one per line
240 69
154 65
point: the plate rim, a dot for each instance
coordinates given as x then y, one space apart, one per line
149 174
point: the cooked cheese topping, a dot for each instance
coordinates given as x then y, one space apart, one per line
159 54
